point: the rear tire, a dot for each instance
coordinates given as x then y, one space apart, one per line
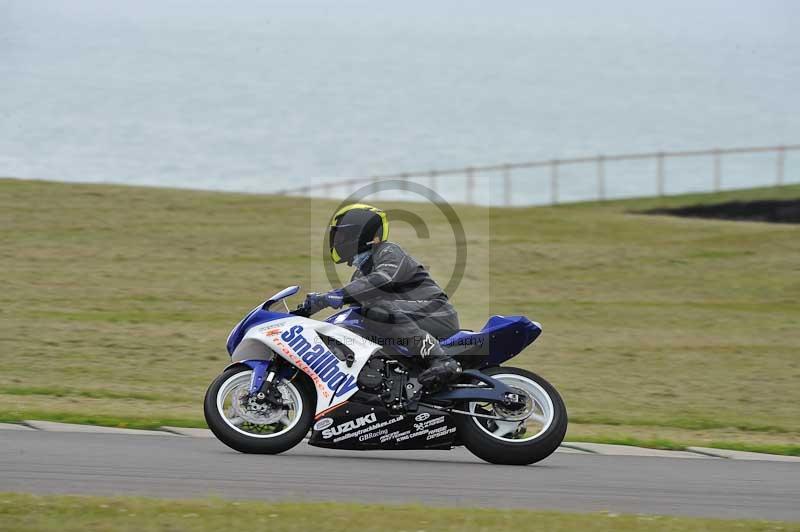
505 451
266 443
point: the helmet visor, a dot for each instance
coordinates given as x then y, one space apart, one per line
344 241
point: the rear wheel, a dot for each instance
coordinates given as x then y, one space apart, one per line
528 433
244 424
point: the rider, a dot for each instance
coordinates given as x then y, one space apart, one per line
396 293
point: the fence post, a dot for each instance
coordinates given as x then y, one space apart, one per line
717 170
660 173
470 185
780 162
601 178
554 182
507 185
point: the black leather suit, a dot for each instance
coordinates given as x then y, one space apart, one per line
402 303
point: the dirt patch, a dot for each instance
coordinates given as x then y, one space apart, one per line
772 211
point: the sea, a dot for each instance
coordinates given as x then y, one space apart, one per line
269 96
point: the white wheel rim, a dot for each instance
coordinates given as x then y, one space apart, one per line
534 425
237 417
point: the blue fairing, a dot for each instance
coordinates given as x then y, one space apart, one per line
349 316
502 338
256 317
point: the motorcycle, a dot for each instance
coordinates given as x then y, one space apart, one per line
290 374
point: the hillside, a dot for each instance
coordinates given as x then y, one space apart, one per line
116 303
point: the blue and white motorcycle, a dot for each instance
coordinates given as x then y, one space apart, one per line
290 374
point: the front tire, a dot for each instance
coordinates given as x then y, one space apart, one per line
248 427
516 443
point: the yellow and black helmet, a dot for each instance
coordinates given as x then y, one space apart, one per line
353 228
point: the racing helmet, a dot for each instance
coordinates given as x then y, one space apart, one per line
353 228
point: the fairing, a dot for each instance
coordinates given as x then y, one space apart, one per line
502 338
298 340
361 427
263 333
256 316
260 314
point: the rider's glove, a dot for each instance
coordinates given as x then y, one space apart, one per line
335 298
316 302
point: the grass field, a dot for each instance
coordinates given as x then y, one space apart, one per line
116 302
64 513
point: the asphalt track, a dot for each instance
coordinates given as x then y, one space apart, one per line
181 467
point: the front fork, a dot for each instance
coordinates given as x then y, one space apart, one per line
262 377
265 374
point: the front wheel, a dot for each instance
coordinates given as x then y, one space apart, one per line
526 434
243 424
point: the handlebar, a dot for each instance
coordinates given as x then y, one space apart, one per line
301 311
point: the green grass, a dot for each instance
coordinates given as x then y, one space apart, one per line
790 450
115 304
671 445
64 513
144 423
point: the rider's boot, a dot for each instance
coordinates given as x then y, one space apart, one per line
442 369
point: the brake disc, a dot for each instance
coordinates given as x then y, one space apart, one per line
519 413
258 413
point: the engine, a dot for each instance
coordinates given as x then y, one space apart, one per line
385 378
372 375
